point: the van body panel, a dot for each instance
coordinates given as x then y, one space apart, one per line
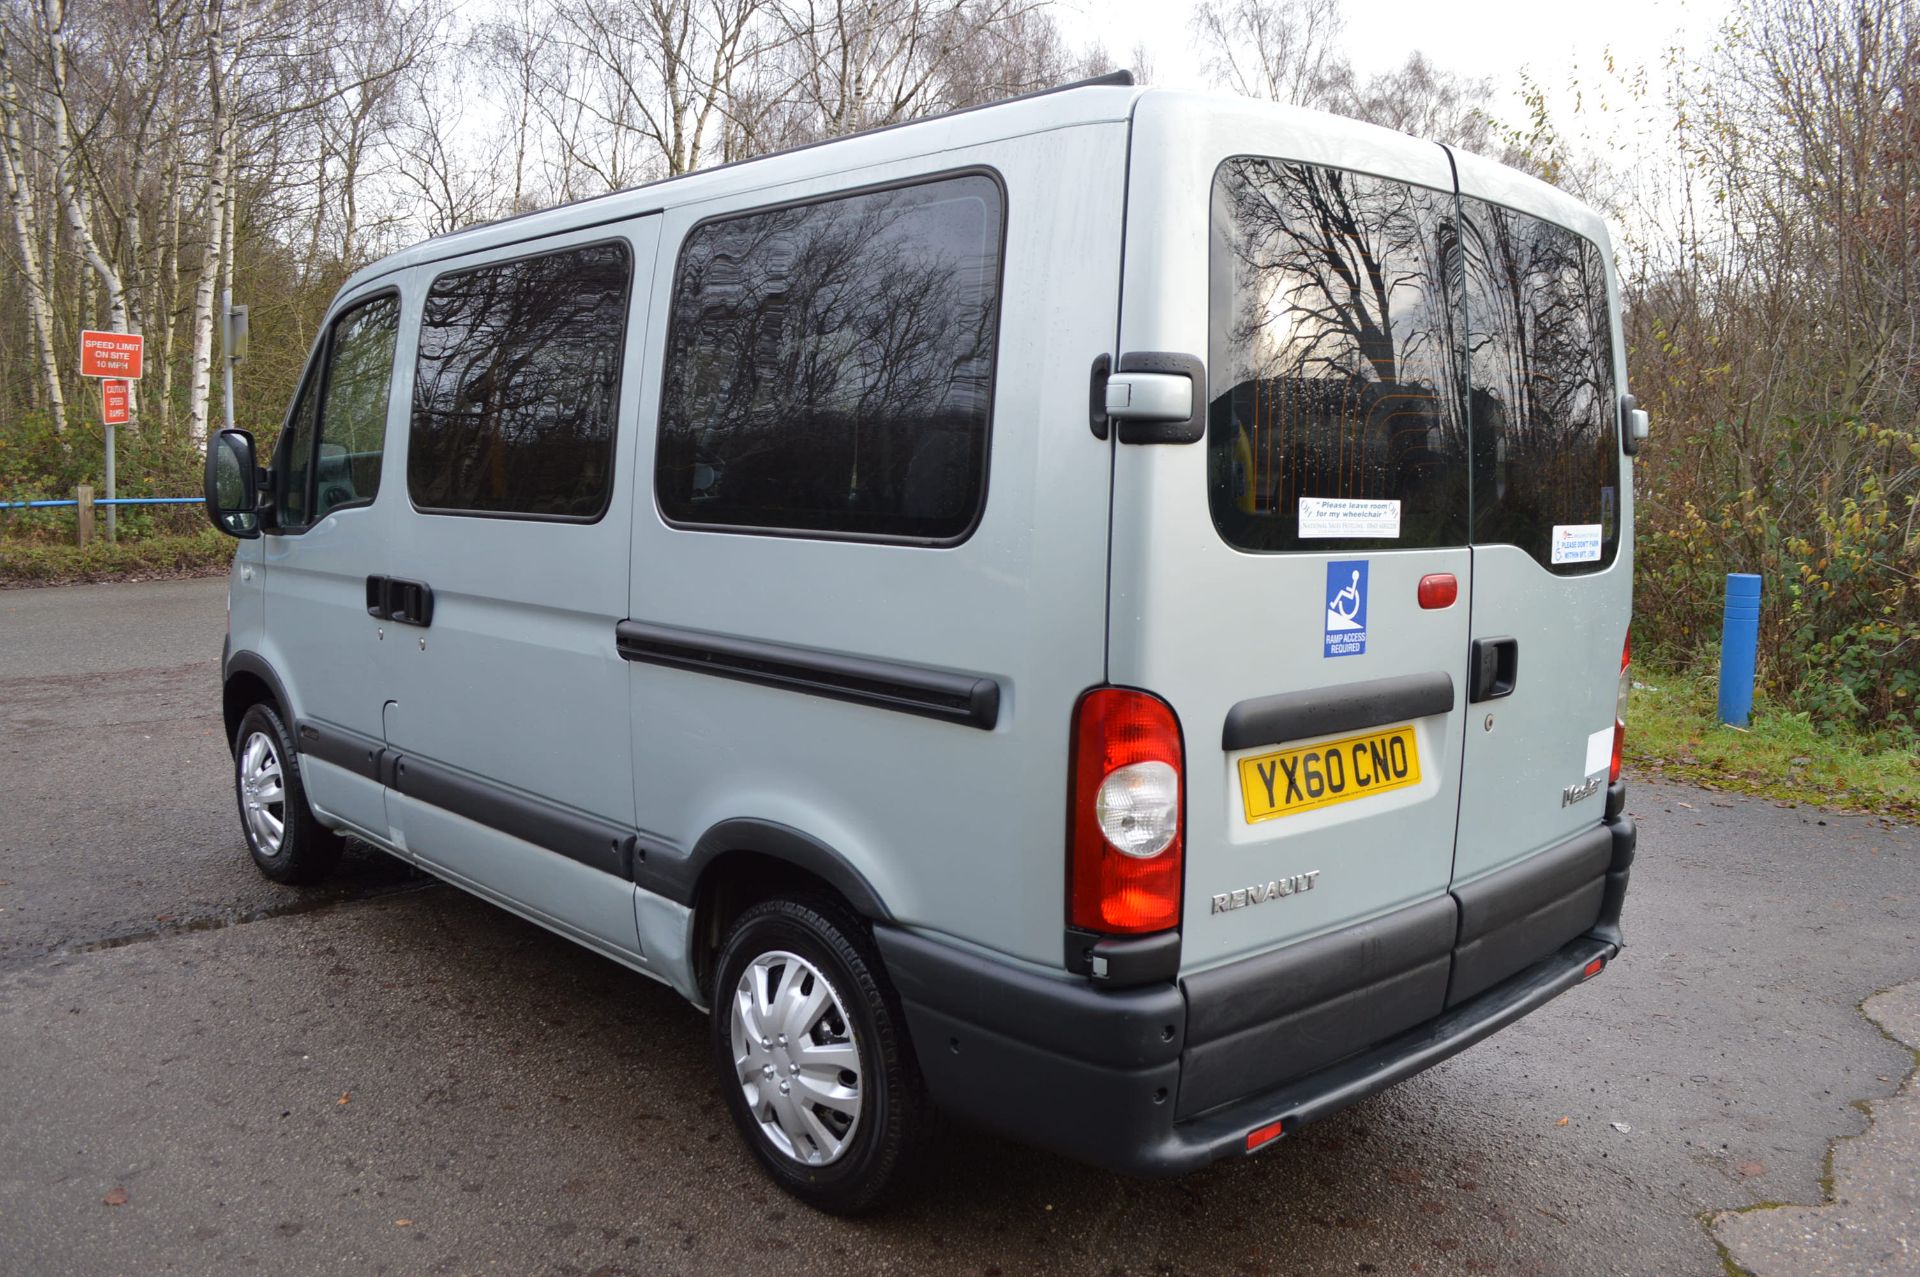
1208 625
934 815
315 632
520 650
1524 752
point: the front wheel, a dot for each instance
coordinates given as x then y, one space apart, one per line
287 843
813 1054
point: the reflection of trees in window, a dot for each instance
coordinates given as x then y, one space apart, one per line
830 364
1332 351
353 415
1540 355
515 394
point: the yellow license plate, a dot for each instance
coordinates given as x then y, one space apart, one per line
1335 771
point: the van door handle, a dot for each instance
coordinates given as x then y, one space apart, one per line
1496 668
402 602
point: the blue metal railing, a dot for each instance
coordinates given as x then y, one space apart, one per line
53 505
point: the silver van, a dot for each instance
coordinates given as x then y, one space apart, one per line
1104 614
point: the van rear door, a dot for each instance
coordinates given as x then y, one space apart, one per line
1268 579
1552 554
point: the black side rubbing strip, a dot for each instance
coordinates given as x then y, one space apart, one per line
966 699
598 844
350 750
1194 428
1271 720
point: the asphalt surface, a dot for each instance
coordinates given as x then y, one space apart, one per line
204 1072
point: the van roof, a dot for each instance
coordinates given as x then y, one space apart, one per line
1104 99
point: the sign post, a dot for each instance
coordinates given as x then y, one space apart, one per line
116 357
233 345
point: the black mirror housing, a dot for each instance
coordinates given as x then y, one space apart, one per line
232 484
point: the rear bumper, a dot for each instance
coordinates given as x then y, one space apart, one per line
1099 1075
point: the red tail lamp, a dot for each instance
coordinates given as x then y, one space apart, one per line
1263 1135
1126 827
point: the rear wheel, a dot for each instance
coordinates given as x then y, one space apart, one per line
287 843
813 1054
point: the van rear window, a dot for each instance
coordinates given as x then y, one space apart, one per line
1363 398
830 365
1544 406
1330 358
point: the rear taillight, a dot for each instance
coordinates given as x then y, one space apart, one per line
1126 828
1620 709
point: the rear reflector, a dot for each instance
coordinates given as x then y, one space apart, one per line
1594 968
1263 1135
1439 590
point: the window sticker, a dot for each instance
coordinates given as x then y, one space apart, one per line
1576 543
1348 517
1346 632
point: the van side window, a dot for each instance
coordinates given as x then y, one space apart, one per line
353 411
516 390
293 462
1331 361
830 365
331 448
1546 464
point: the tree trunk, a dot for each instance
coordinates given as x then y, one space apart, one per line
219 166
13 175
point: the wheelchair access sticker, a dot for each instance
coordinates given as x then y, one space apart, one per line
1346 633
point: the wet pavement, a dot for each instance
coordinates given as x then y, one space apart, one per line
205 1072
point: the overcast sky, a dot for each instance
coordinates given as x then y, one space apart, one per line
1484 37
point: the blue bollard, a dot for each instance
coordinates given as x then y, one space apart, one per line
1739 641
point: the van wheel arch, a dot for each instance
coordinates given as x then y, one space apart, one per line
249 681
740 863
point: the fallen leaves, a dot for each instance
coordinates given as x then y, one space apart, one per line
1750 1169
116 1196
346 1097
403 1223
1563 1121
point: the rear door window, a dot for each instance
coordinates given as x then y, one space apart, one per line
1380 380
1334 422
1546 456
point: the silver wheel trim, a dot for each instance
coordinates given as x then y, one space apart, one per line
263 793
796 1057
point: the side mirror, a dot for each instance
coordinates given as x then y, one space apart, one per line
232 484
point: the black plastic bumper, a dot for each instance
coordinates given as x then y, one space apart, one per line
1096 1075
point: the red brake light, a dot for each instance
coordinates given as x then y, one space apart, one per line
1128 781
1439 590
1620 709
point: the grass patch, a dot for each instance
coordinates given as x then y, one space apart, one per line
203 553
1674 731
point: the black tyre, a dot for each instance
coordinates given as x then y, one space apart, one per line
813 1054
287 843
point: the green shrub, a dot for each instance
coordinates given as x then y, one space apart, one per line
50 563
